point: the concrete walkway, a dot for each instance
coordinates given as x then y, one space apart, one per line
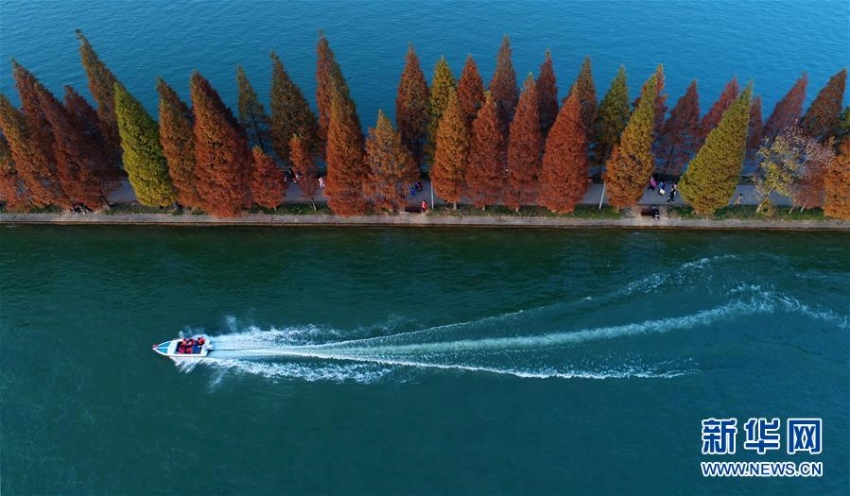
750 196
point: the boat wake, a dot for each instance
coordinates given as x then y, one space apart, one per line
501 345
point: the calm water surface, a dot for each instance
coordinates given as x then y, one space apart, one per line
414 361
768 42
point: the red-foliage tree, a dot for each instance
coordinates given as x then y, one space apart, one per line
448 172
525 147
75 156
485 175
411 106
470 91
547 94
837 184
681 133
40 166
177 137
267 184
391 167
102 87
503 86
84 117
222 157
712 118
33 164
821 120
755 131
564 177
304 167
346 166
787 111
12 189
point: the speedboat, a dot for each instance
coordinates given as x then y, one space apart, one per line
173 348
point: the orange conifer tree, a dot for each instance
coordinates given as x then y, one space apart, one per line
222 157
74 163
485 175
563 178
824 113
102 87
712 118
411 106
525 147
177 137
448 172
345 161
787 111
503 85
755 131
837 184
31 141
84 118
680 134
470 91
330 81
35 168
547 93
267 184
391 167
304 166
13 191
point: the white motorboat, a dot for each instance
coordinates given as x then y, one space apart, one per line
197 346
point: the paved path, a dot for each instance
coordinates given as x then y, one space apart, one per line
750 196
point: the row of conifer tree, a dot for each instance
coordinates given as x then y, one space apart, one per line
493 145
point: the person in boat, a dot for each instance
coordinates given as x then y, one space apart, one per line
196 346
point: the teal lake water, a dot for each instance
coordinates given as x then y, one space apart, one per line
768 42
414 361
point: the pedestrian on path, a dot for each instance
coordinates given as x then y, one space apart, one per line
673 191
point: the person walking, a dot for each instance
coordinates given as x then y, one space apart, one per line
673 191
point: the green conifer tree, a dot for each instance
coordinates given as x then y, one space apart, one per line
441 85
143 158
629 170
291 114
612 118
713 174
252 116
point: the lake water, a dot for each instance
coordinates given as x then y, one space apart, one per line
768 42
415 361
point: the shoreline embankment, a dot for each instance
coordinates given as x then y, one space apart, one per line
419 220
632 219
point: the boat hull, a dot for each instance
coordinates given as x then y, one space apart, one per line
169 349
